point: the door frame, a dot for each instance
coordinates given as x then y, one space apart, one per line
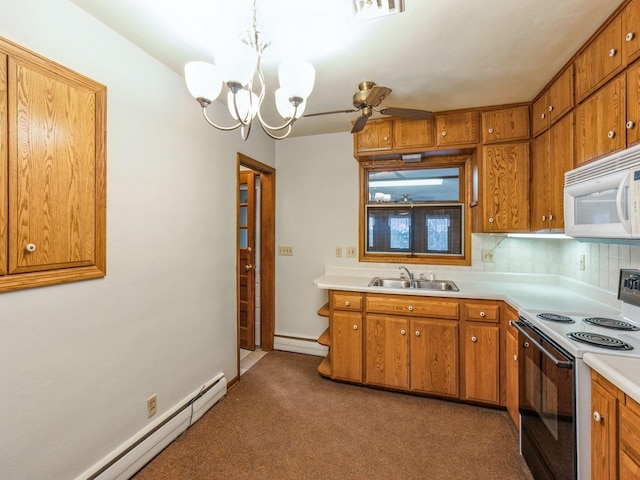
267 251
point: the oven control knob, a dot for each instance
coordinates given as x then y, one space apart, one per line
525 344
597 417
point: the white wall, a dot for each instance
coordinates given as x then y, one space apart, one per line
79 360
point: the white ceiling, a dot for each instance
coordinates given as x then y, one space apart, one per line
437 55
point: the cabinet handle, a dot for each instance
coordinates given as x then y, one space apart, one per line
630 36
551 108
543 116
403 332
490 130
355 327
417 333
31 247
612 52
631 124
611 134
482 314
444 134
410 308
248 267
474 339
346 304
597 417
491 220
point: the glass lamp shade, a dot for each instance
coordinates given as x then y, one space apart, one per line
203 80
284 106
237 62
247 103
297 78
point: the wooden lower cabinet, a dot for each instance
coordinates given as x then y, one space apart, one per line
346 346
629 440
481 344
386 351
603 429
511 366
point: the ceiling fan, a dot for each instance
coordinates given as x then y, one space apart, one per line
367 99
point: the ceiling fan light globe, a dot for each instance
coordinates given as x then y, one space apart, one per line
246 103
203 80
297 78
286 107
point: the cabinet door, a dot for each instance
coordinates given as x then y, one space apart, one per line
629 468
600 61
505 125
540 185
603 433
629 439
457 128
346 346
4 152
481 345
375 137
540 114
511 377
631 31
600 122
633 104
387 351
412 134
52 170
505 188
434 357
561 95
560 161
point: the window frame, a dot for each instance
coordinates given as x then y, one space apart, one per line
465 164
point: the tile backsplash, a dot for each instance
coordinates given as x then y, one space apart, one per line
602 262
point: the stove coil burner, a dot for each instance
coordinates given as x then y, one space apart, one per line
611 323
599 340
555 317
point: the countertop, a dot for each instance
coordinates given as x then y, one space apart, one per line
623 372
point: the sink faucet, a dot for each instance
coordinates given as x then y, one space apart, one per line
402 267
432 277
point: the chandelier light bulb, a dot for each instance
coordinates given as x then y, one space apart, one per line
297 78
238 62
285 107
203 80
247 104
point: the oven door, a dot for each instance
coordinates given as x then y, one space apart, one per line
547 405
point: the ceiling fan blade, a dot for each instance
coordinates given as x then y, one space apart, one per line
407 113
360 123
329 113
377 95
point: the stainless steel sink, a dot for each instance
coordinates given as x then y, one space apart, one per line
442 285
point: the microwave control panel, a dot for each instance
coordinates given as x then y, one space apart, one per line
634 201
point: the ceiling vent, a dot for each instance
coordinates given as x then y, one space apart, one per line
370 9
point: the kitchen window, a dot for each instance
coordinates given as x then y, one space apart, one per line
415 213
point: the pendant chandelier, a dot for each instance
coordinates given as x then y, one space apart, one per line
237 66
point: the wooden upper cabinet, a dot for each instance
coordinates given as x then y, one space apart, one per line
507 124
412 135
457 129
554 103
600 122
4 154
633 104
374 138
504 188
540 114
631 31
601 60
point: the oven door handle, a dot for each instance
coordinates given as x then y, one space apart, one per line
558 363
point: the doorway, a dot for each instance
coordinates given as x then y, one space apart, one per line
255 259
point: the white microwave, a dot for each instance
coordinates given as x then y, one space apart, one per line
602 199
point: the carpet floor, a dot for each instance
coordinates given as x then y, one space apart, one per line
284 421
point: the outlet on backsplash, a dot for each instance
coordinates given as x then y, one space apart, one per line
487 256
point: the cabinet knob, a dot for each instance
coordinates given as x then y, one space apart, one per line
490 130
491 220
597 417
355 327
543 116
482 314
515 358
551 108
31 247
346 304
386 138
630 36
417 333
444 134
611 134
249 249
525 344
630 124
248 267
550 217
612 52
474 339
544 218
403 332
410 308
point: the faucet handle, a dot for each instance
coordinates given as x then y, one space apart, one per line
421 278
432 277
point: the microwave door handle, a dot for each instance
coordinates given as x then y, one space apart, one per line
622 202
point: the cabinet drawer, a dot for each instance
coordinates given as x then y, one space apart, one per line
408 305
481 312
346 301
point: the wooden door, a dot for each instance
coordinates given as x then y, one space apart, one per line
481 345
505 188
561 95
434 357
600 122
246 260
346 346
560 161
540 187
603 433
540 114
457 129
507 124
375 137
387 351
410 134
53 135
631 31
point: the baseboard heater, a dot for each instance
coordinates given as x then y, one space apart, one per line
126 460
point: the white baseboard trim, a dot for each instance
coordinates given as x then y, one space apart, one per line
299 345
132 455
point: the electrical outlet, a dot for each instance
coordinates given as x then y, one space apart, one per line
338 252
487 256
351 252
152 405
582 261
286 250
